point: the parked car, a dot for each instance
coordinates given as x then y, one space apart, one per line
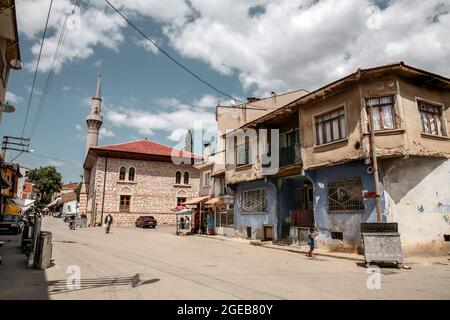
146 222
56 214
11 223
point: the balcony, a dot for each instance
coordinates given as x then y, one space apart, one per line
289 155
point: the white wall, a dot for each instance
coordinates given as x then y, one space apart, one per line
70 207
417 195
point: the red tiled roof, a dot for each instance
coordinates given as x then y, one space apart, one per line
66 197
70 186
147 147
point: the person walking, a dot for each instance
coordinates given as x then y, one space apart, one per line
312 234
108 222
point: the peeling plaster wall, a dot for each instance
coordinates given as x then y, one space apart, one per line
255 220
349 223
417 192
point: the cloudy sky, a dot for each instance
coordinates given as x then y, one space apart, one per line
243 47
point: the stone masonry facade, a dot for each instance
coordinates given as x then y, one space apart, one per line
153 192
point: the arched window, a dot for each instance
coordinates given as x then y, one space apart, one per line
186 177
131 173
122 172
178 177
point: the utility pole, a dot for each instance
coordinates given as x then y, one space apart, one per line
376 176
11 143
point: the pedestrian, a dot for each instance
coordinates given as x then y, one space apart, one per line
181 223
108 222
312 234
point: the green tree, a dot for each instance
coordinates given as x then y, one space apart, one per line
78 190
47 180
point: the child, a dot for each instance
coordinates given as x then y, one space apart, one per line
311 241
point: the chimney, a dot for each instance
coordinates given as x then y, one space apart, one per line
252 99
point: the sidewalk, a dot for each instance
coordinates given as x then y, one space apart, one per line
16 281
325 253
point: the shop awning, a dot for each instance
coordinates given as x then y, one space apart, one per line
54 203
11 207
214 201
196 200
184 211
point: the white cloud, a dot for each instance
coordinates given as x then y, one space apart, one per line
88 26
13 98
207 101
307 43
271 45
106 133
78 127
144 43
175 120
98 63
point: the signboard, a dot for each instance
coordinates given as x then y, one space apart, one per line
369 195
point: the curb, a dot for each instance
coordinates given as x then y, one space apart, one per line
274 247
322 254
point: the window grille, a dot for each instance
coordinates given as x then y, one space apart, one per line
345 195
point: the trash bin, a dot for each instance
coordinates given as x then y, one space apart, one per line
43 252
381 242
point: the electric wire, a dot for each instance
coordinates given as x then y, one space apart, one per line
192 73
55 60
37 68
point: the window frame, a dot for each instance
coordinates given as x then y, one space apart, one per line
247 152
126 202
442 127
177 179
204 174
264 207
188 177
134 173
379 107
124 174
324 113
362 206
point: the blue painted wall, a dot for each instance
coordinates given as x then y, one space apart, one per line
255 220
348 223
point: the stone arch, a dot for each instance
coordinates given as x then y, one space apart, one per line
126 190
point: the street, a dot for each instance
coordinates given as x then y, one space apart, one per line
132 263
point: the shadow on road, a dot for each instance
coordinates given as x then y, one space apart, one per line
64 286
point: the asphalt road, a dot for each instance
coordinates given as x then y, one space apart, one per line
132 263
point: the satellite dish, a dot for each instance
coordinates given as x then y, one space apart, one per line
7 108
233 102
16 64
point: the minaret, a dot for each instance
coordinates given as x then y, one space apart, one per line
94 120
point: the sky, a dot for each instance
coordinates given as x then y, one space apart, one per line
243 47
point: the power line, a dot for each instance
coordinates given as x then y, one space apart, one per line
175 60
51 73
37 67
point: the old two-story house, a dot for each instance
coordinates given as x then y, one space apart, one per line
133 178
330 182
247 174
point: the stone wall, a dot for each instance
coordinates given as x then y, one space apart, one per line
153 191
